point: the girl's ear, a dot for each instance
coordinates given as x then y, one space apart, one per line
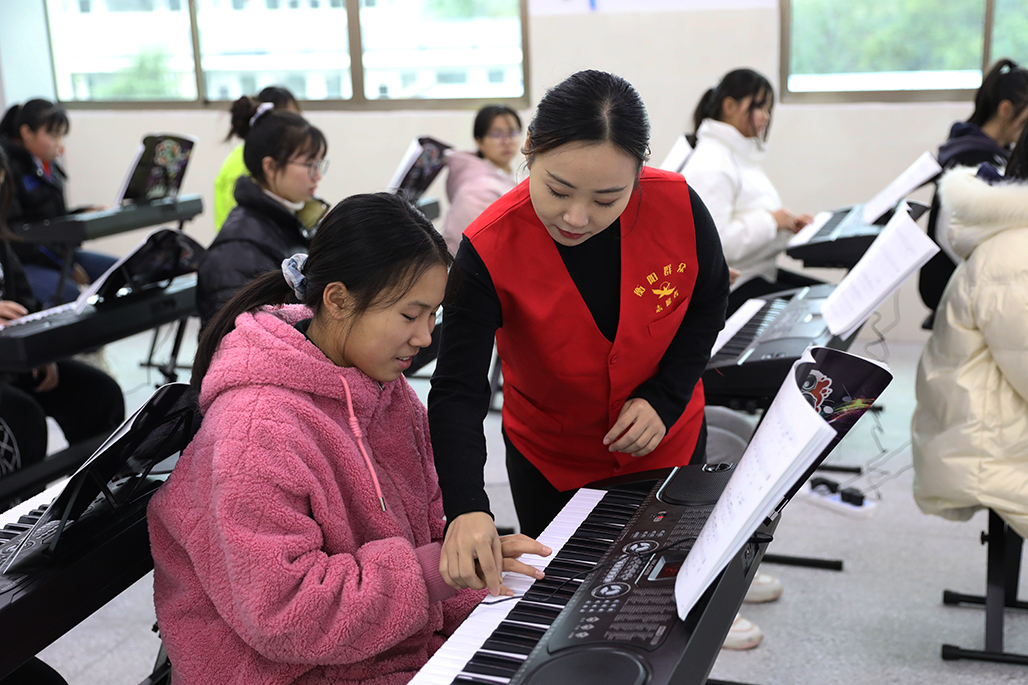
1006 110
336 300
729 106
269 167
527 146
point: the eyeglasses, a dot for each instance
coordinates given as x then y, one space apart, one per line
314 168
503 135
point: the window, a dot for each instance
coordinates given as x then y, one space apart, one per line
125 50
366 54
911 50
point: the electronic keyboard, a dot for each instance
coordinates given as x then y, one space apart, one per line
78 228
605 612
59 332
845 237
103 555
768 335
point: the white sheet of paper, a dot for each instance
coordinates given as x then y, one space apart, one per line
788 440
808 231
923 169
899 250
739 318
675 159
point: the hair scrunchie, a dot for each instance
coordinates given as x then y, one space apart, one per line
292 270
261 110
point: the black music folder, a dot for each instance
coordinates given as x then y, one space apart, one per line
158 169
117 473
160 257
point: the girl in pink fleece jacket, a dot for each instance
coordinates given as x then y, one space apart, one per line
297 540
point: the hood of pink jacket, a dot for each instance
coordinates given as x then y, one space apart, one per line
266 349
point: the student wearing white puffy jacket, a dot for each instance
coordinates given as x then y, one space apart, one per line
732 122
970 426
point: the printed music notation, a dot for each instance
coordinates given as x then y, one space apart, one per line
924 169
901 249
825 394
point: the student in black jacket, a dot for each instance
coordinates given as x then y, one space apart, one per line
32 135
275 208
1000 113
83 400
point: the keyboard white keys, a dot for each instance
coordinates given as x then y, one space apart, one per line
446 663
42 499
41 314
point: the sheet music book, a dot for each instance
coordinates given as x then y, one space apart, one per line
825 394
158 169
675 160
424 159
924 169
899 250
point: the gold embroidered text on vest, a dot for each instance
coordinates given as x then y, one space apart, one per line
667 292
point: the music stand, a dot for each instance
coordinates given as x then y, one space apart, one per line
116 475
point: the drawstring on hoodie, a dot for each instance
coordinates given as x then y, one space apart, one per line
355 427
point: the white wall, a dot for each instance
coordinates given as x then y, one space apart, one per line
24 52
820 156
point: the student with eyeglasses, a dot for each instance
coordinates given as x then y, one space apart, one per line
477 179
234 167
275 205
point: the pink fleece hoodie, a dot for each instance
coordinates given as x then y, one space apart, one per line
274 562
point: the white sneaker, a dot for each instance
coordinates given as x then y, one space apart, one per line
744 634
764 588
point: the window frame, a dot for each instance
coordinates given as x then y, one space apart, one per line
839 97
358 102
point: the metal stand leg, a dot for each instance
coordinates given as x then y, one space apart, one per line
69 263
1003 571
168 369
807 562
161 670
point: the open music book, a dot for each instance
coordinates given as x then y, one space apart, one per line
899 250
420 165
158 169
924 169
826 393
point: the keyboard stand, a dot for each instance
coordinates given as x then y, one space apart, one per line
169 368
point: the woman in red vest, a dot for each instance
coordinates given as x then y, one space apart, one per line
604 286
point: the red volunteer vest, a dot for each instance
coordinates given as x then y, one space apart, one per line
564 383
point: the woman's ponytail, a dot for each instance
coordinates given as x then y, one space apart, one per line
241 111
703 111
8 127
1005 81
